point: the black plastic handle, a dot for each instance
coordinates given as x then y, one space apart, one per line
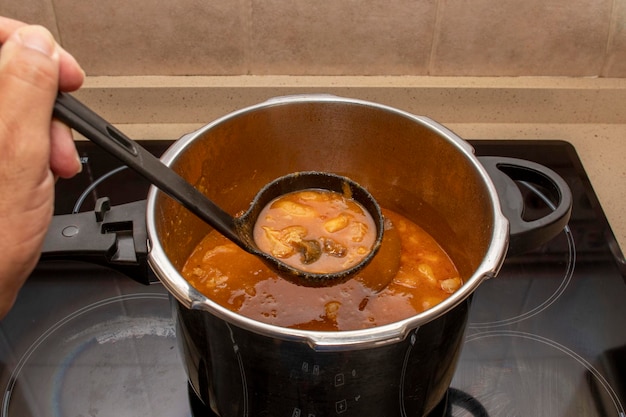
527 235
110 236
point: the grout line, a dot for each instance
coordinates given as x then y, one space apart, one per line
435 37
610 39
56 22
224 81
248 37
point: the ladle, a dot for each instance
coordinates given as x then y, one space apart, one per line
237 229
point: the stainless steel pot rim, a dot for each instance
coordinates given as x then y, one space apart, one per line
180 289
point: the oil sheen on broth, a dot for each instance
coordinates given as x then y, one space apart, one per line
410 274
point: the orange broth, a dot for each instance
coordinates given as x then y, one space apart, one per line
410 274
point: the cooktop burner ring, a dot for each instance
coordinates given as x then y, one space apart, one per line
569 267
569 264
140 322
482 383
85 194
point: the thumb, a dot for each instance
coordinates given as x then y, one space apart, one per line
31 55
29 74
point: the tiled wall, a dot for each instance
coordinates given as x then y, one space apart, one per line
337 37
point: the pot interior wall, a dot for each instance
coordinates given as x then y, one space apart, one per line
406 165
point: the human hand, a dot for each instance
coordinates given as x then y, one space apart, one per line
34 148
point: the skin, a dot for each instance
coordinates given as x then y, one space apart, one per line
34 149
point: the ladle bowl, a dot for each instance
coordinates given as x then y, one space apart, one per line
237 229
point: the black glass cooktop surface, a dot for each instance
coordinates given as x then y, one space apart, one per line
545 338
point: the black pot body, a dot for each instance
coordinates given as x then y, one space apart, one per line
241 373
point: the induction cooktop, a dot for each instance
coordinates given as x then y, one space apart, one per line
545 338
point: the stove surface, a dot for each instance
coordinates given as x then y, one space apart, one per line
545 338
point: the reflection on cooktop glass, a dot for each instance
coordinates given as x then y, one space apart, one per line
544 338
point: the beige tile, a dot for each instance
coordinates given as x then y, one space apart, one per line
615 63
530 37
341 37
38 12
350 37
182 37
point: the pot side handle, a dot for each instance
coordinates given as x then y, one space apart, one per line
110 236
527 235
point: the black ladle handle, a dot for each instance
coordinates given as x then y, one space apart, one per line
239 230
88 123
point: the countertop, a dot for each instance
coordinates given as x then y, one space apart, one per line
590 113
